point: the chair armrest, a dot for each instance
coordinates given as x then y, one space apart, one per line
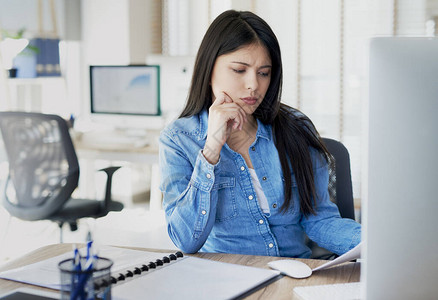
109 172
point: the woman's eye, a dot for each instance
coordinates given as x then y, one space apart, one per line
264 74
239 70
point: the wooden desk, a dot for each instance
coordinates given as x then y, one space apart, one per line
280 289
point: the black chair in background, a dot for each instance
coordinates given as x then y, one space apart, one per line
44 172
339 187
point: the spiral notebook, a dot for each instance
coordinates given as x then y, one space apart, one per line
140 274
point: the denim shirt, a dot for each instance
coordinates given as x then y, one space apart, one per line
213 208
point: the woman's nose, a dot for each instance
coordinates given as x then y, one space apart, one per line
252 81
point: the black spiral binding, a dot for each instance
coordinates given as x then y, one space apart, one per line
138 270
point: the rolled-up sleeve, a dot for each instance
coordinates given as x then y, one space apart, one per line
187 198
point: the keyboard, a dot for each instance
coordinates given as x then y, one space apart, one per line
114 142
339 291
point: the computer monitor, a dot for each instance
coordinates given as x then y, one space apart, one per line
125 96
401 174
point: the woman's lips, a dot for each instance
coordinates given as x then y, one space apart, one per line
249 100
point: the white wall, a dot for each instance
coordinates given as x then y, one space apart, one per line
105 31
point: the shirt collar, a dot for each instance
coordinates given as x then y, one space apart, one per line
263 130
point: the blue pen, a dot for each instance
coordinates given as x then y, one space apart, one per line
80 279
89 244
89 262
79 291
76 267
76 258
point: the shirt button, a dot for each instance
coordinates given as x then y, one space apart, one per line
208 175
271 245
274 205
264 178
242 168
250 197
261 221
203 212
253 148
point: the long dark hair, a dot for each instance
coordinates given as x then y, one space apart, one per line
293 132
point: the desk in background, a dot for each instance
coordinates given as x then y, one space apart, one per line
280 289
136 155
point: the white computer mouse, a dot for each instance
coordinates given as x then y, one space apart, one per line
292 268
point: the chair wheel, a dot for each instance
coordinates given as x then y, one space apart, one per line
73 226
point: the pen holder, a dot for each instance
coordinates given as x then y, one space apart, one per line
86 283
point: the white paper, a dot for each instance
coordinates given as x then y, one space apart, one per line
195 279
46 273
350 255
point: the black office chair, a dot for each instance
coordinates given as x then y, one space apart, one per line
340 189
44 172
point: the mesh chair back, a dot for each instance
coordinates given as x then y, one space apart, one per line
43 166
332 180
340 186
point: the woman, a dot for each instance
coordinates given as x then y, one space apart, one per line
240 171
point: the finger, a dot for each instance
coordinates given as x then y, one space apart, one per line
239 108
227 98
231 115
236 113
240 119
220 99
241 116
